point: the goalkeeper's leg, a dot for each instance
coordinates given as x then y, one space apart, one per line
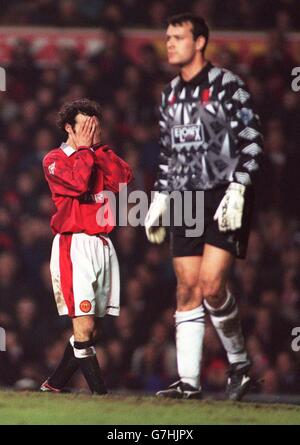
189 321
224 315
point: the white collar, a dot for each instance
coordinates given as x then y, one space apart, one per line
67 149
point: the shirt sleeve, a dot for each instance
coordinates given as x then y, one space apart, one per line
162 182
69 180
115 170
246 127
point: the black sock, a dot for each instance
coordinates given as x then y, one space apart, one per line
90 367
65 369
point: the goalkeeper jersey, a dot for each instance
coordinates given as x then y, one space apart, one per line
209 133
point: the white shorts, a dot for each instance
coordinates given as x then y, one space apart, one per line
85 275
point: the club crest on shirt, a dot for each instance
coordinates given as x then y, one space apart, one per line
51 168
187 135
85 306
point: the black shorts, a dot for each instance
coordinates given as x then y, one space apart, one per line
235 242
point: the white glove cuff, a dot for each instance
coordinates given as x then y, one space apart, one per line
160 199
237 187
157 208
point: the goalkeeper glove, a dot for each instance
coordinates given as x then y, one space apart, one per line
156 234
230 211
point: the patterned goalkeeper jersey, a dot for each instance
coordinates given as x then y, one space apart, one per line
210 134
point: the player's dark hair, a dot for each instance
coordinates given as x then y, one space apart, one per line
200 27
69 111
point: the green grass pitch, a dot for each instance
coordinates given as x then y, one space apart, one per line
26 408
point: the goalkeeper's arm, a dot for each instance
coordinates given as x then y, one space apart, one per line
156 233
247 131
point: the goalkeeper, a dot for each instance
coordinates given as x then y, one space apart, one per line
210 141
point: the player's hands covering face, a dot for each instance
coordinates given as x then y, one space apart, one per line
97 133
84 134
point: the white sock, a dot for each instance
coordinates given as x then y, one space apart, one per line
190 327
226 320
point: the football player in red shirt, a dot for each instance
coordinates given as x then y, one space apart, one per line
84 265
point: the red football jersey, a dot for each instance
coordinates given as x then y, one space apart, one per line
77 180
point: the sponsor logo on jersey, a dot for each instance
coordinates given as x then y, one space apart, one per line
187 135
85 306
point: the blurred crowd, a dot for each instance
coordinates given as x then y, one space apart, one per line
137 349
230 14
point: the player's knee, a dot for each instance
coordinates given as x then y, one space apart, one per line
188 296
84 329
212 291
83 335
